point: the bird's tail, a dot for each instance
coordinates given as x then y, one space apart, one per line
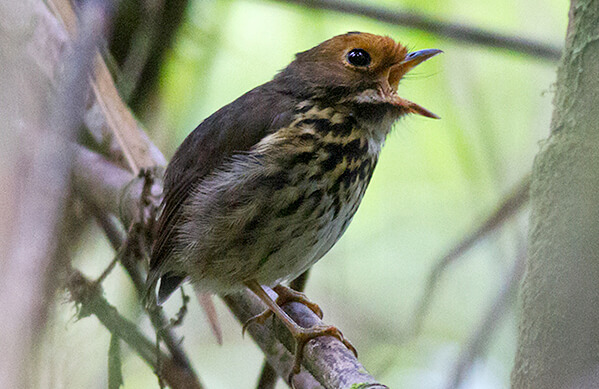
149 298
169 282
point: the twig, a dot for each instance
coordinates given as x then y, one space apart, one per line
510 205
88 296
457 32
89 168
115 364
117 240
481 336
268 377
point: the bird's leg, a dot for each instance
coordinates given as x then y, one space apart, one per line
301 335
285 295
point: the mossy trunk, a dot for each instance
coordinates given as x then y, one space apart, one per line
558 344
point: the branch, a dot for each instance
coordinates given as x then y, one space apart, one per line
119 239
51 119
457 32
483 333
510 205
88 296
329 361
107 118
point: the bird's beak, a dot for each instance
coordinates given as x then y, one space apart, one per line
397 71
417 57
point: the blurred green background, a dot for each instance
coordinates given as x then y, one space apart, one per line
436 180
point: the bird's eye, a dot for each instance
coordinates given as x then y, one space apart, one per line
358 57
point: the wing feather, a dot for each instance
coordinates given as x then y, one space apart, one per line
233 129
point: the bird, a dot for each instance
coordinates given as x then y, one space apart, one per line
264 187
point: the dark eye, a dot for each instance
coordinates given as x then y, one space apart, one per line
358 57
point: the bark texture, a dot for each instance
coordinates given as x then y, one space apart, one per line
558 345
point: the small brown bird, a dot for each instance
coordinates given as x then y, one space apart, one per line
264 187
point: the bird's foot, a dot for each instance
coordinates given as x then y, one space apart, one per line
303 335
285 295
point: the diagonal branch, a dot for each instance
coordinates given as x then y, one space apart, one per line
457 32
326 358
120 242
88 296
117 117
511 204
482 335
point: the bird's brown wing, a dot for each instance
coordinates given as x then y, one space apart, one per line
233 129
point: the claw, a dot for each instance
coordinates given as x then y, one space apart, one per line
258 319
304 335
286 295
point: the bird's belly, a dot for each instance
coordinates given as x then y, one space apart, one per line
269 218
306 240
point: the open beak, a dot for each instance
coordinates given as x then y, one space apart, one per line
399 70
417 57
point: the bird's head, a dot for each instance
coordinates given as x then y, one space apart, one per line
356 67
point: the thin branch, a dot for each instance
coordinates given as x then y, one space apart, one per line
119 241
458 32
88 296
108 119
268 377
115 363
480 338
510 205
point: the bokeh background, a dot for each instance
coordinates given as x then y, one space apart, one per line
436 181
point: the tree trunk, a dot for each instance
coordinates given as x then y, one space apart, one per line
558 345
